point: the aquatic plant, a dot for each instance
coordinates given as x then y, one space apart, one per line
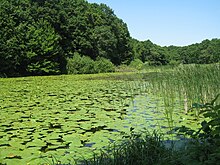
62 116
146 148
193 85
200 147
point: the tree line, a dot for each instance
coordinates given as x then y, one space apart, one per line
44 37
206 52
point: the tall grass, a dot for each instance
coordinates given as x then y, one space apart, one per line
137 149
193 85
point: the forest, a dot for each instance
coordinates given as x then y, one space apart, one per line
47 37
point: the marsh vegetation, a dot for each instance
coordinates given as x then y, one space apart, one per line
70 118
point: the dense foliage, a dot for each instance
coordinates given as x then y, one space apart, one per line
37 37
85 65
208 51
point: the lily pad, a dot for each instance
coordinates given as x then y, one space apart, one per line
35 143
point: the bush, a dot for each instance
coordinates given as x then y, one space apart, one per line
80 65
103 65
137 64
85 65
174 63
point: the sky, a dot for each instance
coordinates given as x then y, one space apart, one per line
168 22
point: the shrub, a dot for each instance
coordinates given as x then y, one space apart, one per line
103 65
85 65
137 64
73 64
174 63
80 65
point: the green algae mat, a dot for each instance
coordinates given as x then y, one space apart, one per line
66 118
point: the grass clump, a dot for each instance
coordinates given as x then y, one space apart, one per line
135 149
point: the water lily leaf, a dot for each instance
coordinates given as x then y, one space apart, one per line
53 136
14 161
35 143
85 126
96 138
56 145
11 153
4 141
74 144
65 159
75 141
16 144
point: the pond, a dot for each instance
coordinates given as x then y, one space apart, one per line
71 117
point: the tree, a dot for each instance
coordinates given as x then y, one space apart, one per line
13 19
109 35
43 53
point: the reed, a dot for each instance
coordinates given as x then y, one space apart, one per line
136 149
191 85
